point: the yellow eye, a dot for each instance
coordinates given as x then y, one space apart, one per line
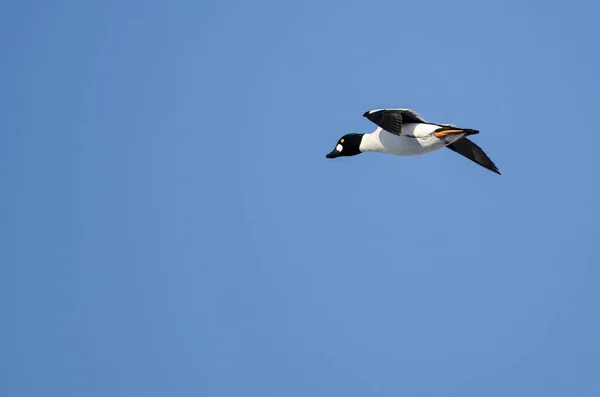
342 140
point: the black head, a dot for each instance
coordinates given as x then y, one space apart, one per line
348 145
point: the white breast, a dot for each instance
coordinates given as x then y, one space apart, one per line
416 139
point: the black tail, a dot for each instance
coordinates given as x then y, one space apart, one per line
469 131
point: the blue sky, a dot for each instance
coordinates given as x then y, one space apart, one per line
170 225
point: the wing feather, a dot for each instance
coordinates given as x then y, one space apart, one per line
470 150
391 120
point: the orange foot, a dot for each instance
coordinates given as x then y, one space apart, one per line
448 132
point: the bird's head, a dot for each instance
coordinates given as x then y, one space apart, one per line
348 145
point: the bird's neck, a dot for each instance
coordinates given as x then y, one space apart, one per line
371 142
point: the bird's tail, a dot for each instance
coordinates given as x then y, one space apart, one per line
469 131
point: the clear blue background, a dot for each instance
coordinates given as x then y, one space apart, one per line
170 225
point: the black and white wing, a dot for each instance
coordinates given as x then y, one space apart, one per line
391 120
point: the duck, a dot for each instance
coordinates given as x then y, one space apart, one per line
403 132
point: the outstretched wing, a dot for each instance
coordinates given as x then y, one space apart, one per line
391 120
474 153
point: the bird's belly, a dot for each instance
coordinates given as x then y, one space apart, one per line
411 145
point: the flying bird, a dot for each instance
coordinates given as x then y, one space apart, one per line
403 132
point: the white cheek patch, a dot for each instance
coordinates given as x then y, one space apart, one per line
339 148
